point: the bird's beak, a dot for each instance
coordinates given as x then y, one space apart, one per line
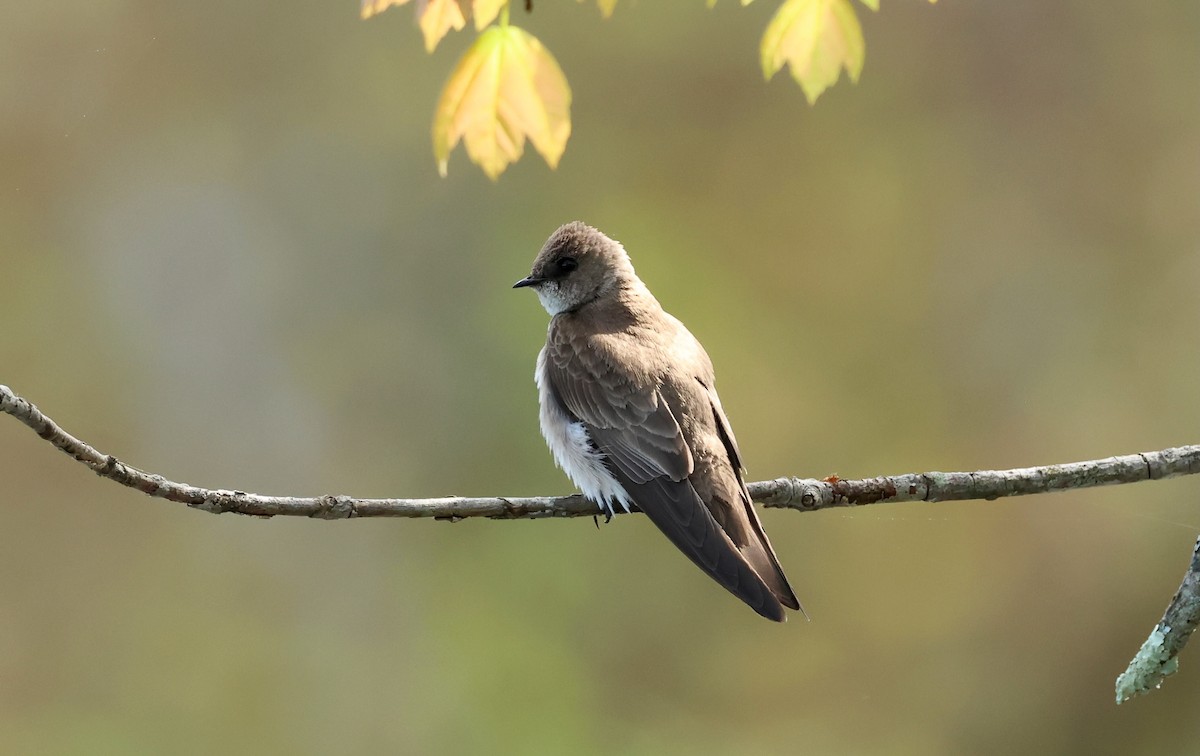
528 281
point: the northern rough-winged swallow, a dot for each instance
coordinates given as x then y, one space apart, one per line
631 414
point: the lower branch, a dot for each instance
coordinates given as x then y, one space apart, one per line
1158 657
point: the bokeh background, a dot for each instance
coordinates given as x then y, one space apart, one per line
227 258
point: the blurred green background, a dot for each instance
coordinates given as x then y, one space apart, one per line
227 258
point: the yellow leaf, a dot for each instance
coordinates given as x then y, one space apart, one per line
435 17
816 38
505 88
608 6
874 4
372 7
485 11
438 17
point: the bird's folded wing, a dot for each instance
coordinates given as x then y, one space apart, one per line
676 509
632 424
644 448
758 550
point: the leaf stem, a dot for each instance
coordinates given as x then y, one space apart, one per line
504 15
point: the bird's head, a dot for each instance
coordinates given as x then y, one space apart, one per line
577 265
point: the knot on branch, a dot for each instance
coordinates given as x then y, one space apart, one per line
220 502
792 493
330 507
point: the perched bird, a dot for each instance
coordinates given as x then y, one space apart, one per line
630 411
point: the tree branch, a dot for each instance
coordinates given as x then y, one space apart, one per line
789 493
1158 658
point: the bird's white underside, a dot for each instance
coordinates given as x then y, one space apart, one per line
572 450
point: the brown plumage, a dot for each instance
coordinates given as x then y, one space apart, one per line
630 411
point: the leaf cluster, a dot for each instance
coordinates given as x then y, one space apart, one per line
507 88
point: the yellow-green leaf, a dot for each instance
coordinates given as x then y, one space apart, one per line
372 7
435 17
485 11
816 38
507 87
608 6
438 17
874 4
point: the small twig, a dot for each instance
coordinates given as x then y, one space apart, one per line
1158 658
791 493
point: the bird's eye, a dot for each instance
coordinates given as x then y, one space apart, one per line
567 264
